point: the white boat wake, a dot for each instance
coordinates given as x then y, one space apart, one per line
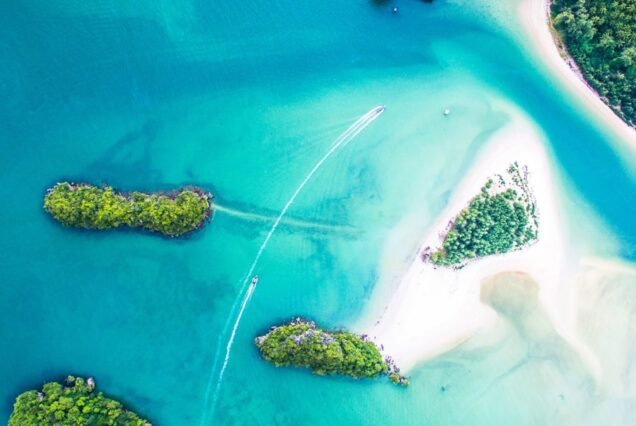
291 222
347 136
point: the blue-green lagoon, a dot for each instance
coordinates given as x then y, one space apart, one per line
243 99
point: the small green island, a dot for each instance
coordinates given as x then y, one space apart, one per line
600 35
172 214
74 402
301 344
501 218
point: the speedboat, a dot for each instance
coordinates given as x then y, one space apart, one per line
255 280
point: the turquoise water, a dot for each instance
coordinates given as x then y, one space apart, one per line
243 98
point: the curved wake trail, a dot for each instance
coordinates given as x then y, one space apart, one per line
342 140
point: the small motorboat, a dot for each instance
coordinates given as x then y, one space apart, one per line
255 280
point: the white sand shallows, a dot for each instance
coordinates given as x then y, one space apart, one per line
434 309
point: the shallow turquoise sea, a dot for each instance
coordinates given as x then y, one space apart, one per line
243 98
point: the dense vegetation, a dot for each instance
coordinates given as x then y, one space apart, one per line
494 222
301 344
73 404
601 37
86 206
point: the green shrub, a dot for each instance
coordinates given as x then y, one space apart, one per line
399 380
75 403
90 207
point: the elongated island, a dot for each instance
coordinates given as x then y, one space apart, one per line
73 402
302 344
172 214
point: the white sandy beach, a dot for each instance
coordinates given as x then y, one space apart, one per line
585 302
534 17
435 309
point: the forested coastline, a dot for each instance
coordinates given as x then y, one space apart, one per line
600 35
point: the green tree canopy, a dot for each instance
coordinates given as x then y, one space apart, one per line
601 37
494 222
74 403
90 207
301 344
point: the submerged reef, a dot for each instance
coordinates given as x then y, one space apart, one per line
302 344
86 206
501 218
75 402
